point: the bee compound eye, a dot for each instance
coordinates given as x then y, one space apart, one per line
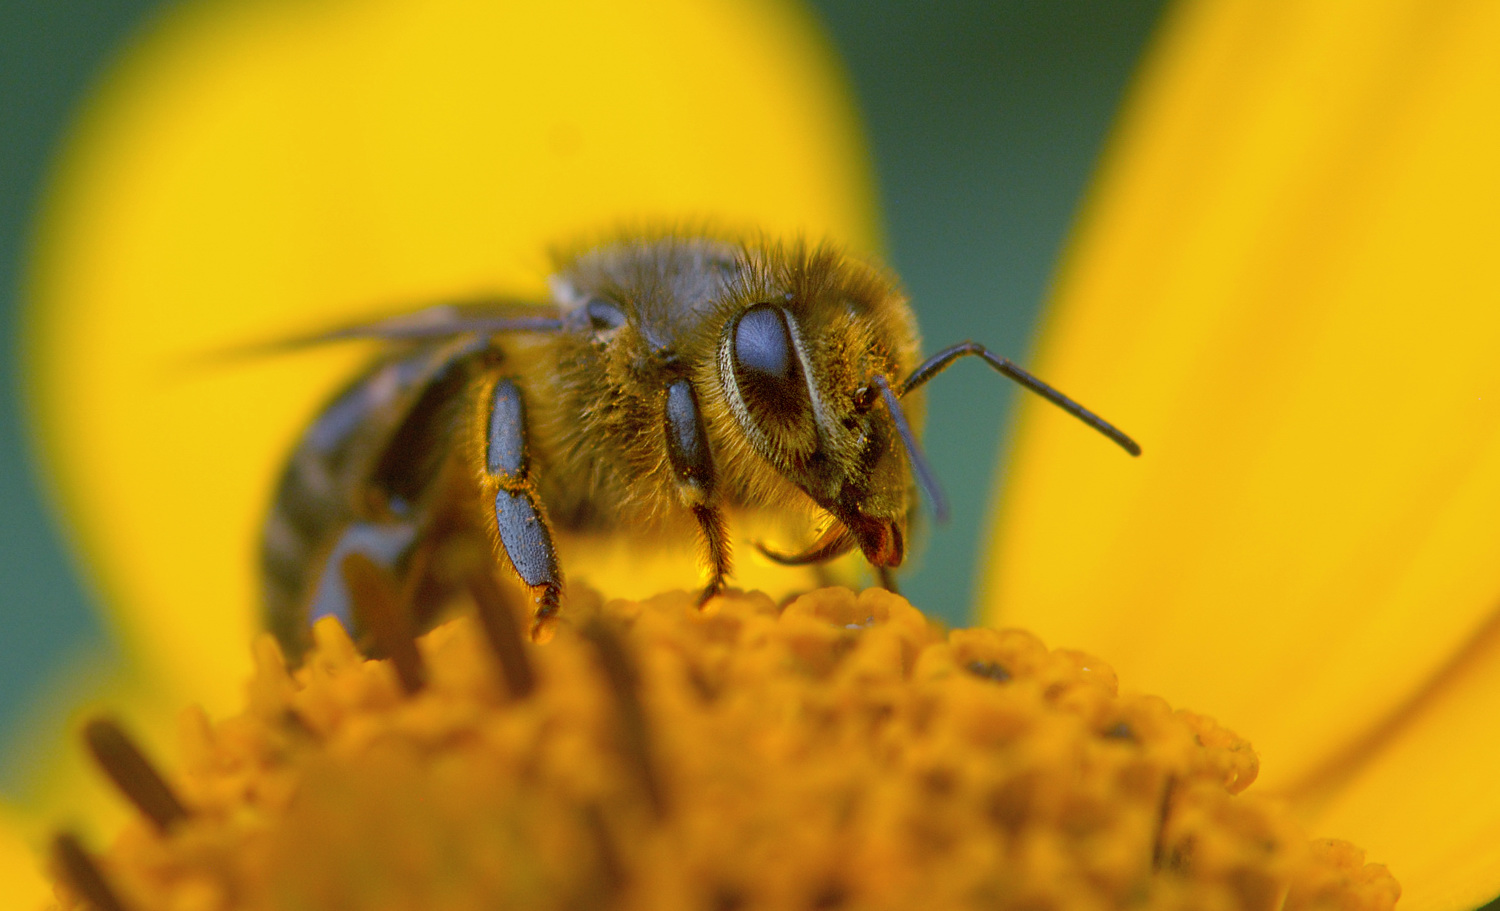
603 315
763 345
765 364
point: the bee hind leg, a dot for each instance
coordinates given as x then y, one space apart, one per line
528 543
522 528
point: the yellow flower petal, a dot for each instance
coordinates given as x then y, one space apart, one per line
25 887
1421 792
1284 287
264 167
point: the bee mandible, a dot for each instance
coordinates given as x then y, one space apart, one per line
669 383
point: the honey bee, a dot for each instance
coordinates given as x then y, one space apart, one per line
669 383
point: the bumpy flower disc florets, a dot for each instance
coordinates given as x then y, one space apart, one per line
841 753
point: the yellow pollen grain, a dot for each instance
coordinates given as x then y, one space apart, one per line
841 753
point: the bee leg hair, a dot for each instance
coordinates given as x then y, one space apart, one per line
693 467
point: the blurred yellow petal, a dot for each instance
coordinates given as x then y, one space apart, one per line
51 781
263 167
24 886
1285 287
1421 792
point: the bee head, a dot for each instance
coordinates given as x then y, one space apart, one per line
799 366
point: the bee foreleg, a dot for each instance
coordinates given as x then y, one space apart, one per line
693 467
523 531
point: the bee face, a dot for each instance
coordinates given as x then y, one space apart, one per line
796 364
669 384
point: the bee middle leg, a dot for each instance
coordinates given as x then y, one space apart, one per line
523 530
716 543
693 468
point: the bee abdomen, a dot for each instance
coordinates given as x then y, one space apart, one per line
306 518
329 483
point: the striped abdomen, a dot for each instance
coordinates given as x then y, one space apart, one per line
354 478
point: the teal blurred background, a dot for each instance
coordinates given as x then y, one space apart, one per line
985 119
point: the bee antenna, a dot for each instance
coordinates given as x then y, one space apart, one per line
919 465
1008 368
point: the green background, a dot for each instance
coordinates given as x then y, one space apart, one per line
985 119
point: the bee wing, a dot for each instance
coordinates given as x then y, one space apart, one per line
491 316
444 321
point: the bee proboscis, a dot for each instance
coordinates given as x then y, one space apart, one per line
670 382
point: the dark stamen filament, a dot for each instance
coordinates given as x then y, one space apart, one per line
133 774
77 867
296 723
378 604
635 734
1159 844
503 632
606 850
